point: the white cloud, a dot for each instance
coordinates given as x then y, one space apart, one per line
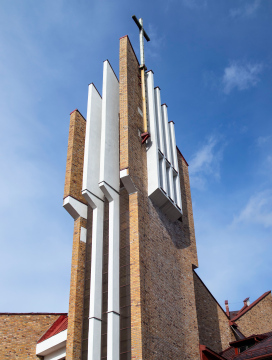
262 140
258 210
241 76
246 11
206 163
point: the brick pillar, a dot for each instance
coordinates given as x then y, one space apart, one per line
76 205
135 279
76 299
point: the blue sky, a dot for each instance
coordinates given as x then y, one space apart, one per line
213 62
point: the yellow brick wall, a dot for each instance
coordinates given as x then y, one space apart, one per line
76 298
213 323
75 157
163 311
258 319
19 334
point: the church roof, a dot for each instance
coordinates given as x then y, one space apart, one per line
260 350
58 326
245 308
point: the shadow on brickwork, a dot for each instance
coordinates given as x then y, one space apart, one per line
207 316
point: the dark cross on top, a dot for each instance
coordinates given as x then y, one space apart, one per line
143 34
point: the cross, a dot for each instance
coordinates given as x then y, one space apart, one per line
143 34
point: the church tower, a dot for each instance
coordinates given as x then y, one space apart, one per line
127 188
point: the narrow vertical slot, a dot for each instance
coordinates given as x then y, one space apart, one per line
168 177
163 173
178 193
174 187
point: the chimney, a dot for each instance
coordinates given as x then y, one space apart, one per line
227 307
246 302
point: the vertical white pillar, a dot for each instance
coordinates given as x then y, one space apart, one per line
173 145
168 152
152 144
109 183
95 311
95 198
160 121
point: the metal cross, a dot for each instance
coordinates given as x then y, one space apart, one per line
143 34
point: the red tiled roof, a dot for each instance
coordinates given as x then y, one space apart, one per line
261 350
207 353
246 308
228 353
59 325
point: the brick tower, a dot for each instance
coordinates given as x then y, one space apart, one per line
132 288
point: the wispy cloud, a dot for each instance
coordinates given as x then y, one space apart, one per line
206 163
194 4
241 76
155 46
258 210
262 140
245 11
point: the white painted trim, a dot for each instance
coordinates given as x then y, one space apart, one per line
75 208
56 355
52 344
83 234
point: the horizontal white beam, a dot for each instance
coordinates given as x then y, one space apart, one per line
75 208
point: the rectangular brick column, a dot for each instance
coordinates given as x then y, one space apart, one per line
76 299
135 280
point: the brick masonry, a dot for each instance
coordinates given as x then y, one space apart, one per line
258 319
76 298
213 323
19 334
163 312
75 157
73 187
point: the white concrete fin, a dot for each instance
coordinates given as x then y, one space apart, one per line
162 162
91 166
109 160
75 207
127 181
94 339
96 286
159 119
113 337
168 152
152 143
173 145
83 234
97 262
